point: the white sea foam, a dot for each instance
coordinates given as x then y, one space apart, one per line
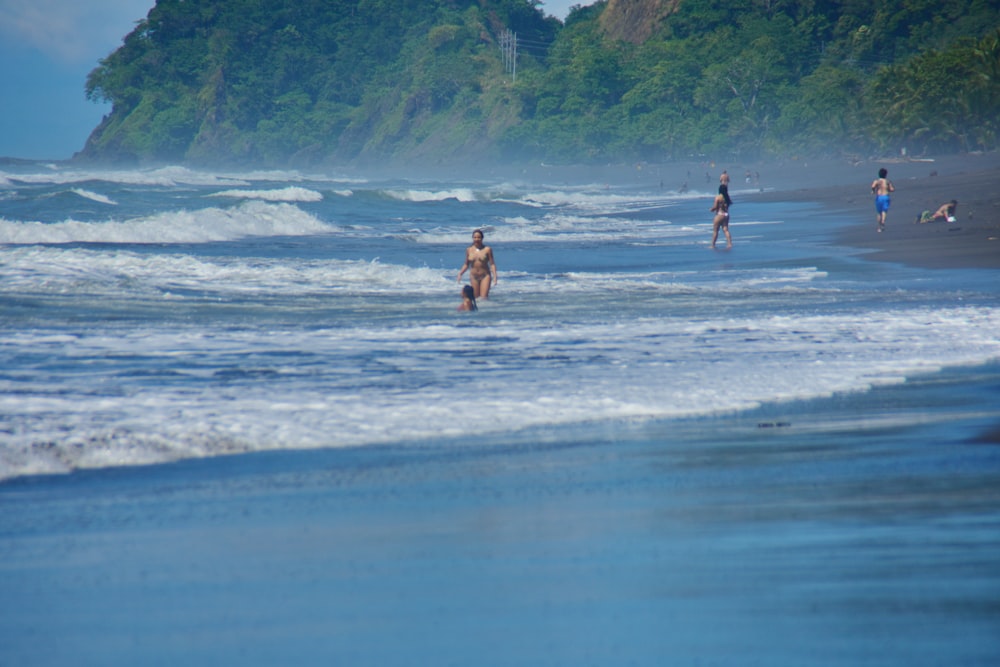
604 200
285 176
287 194
251 218
356 386
57 271
94 196
54 270
163 177
561 228
643 285
457 194
168 176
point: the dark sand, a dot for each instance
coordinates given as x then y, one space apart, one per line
972 241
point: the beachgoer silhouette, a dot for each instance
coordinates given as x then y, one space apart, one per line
724 188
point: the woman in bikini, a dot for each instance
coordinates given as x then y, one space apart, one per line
482 268
721 221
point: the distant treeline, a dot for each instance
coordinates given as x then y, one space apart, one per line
424 81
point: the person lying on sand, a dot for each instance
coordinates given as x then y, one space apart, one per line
945 212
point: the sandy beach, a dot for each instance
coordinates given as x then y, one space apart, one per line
972 241
843 186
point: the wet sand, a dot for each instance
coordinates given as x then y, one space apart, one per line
972 241
858 530
842 186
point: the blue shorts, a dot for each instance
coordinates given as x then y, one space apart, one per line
881 203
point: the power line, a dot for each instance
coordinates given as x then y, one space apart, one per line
508 51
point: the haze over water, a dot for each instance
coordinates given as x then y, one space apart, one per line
174 315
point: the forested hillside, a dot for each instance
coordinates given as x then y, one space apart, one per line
424 81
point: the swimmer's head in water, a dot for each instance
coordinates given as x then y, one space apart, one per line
470 294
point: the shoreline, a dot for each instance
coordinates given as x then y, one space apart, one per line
841 187
971 242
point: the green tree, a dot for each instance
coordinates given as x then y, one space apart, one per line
282 81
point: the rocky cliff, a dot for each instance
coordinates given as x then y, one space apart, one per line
635 20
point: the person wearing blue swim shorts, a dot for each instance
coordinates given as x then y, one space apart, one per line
881 187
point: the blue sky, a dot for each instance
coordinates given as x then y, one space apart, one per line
48 47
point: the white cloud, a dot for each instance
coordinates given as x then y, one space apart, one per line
70 31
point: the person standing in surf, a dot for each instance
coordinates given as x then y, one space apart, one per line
482 269
721 221
881 187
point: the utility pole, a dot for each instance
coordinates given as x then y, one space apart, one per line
508 53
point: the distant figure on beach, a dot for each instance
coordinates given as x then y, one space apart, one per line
945 212
721 221
724 187
482 268
881 187
468 299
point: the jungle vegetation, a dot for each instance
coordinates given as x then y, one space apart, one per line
310 81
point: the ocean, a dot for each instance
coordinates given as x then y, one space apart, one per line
639 450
